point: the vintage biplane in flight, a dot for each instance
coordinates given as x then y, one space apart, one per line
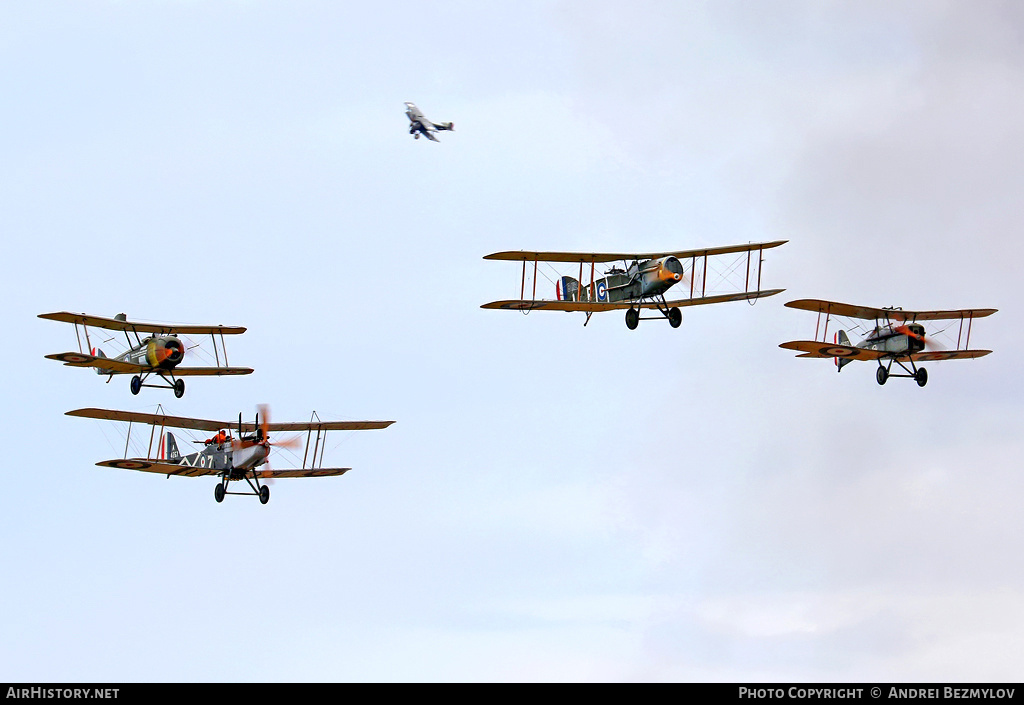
243 457
642 280
896 337
419 125
158 353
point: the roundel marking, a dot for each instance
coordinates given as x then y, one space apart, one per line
131 465
838 352
602 291
75 358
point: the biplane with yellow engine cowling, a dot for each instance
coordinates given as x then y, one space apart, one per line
156 350
642 280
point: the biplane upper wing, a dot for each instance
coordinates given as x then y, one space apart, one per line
522 255
159 467
594 306
208 425
817 348
153 419
116 324
869 313
323 426
75 359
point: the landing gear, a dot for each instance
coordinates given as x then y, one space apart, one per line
632 318
218 492
179 388
918 374
675 317
136 385
264 494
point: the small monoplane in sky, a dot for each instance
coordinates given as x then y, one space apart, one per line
896 337
158 353
232 458
634 282
419 125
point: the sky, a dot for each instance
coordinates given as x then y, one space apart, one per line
554 502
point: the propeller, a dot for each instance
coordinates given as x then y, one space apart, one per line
929 344
263 423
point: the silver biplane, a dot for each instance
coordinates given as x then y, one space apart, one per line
420 125
642 280
158 353
243 457
896 337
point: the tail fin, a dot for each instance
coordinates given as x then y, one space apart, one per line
567 289
172 448
96 352
842 339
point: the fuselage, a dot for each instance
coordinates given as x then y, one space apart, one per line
904 339
228 456
644 279
162 352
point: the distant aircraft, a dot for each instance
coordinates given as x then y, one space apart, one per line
419 125
158 353
231 459
896 337
641 282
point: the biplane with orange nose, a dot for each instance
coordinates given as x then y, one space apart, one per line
895 338
159 353
642 280
238 458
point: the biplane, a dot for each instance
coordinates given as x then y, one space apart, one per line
634 282
895 338
243 457
419 125
158 353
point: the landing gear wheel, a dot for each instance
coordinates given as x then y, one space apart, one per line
218 492
881 375
179 388
632 318
136 384
264 494
675 317
921 377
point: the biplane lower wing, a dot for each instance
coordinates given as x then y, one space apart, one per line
120 367
817 348
299 472
868 313
595 306
159 467
938 355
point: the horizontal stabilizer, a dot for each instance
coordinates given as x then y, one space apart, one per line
817 348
